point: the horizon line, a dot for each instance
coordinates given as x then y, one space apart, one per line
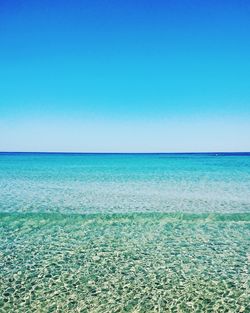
155 152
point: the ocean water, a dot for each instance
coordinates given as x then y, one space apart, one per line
92 183
124 232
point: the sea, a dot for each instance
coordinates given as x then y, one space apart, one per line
113 232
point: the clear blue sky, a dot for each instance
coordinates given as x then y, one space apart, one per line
113 75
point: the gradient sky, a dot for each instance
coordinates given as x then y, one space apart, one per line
124 76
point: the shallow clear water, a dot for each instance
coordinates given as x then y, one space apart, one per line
124 233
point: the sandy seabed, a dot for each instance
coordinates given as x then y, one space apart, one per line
148 262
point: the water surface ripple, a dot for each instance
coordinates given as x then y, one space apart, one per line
124 233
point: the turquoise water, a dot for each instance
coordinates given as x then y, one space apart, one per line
124 233
124 183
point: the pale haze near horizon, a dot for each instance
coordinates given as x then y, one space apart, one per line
194 135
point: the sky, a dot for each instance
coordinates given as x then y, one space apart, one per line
125 76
